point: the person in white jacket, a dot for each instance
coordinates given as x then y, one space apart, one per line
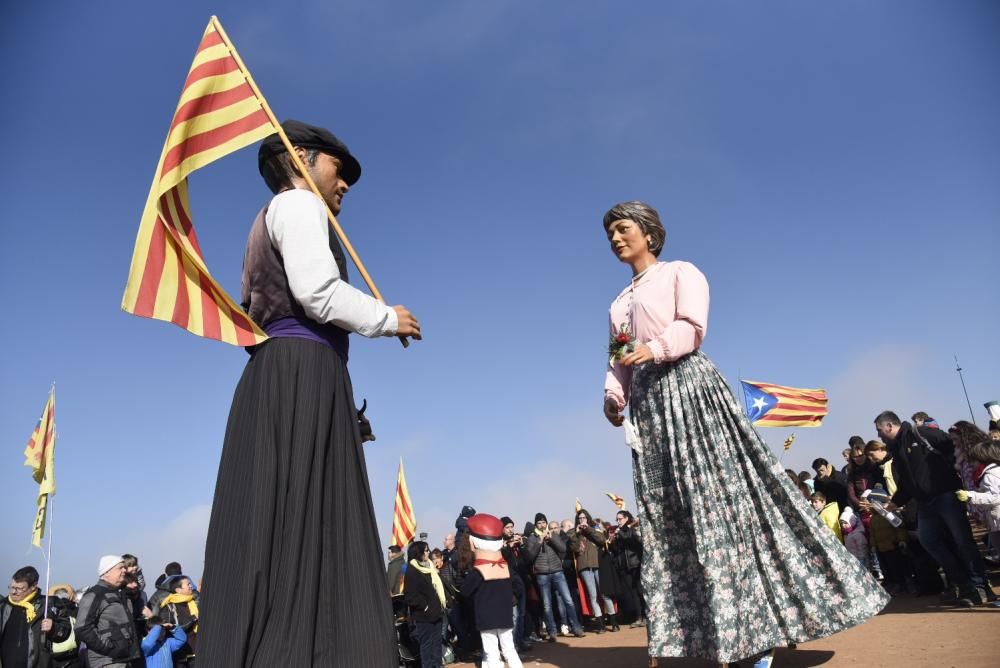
985 455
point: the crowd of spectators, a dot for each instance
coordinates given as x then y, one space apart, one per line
110 624
903 504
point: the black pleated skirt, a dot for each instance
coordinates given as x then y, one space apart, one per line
293 570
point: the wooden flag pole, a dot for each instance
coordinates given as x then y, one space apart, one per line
302 169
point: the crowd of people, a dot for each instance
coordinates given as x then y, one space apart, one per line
909 522
903 504
110 624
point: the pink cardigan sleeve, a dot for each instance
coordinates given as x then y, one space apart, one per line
685 334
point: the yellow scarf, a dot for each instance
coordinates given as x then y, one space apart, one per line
26 603
435 578
183 598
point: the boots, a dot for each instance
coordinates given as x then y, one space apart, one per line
612 620
598 624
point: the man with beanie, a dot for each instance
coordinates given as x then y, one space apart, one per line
104 621
545 552
28 623
513 552
292 489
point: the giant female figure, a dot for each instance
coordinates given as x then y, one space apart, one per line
735 562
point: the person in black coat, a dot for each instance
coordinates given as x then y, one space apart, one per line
626 546
830 482
424 594
924 469
28 623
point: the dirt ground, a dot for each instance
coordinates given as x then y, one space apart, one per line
912 632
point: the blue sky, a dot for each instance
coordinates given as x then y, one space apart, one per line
832 168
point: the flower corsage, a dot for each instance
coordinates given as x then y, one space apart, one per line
622 342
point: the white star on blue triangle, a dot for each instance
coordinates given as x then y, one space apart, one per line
758 401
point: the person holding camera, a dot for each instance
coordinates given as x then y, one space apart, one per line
104 620
513 552
545 552
160 643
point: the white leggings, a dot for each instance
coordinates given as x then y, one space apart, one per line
495 641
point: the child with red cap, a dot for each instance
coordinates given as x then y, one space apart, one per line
489 587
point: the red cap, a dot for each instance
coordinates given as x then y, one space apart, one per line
486 527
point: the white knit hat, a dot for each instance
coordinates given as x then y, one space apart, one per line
107 562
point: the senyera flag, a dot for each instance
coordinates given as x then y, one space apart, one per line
404 521
220 111
770 405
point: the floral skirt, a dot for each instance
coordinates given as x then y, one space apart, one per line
735 561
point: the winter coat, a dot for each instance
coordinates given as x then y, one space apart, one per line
419 594
394 574
546 557
922 471
834 488
861 478
39 648
830 516
627 548
586 547
104 622
988 495
158 646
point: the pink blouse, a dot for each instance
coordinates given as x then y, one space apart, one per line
666 308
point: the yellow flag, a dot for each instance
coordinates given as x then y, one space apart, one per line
578 506
40 455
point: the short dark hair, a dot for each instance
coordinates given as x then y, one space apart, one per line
818 496
435 553
177 582
887 417
642 215
805 475
28 575
130 560
856 442
173 568
920 415
395 549
416 550
279 170
819 461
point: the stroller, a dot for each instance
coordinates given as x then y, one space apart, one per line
409 649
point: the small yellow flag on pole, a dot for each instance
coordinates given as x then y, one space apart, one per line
39 455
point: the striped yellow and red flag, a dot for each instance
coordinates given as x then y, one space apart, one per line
219 112
770 405
404 521
40 451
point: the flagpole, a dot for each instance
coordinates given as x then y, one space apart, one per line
302 169
48 557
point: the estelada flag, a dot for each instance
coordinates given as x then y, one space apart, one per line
770 405
219 112
40 451
404 521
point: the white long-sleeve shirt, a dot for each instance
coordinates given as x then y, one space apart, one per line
297 225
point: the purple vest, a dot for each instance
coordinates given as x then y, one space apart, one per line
267 299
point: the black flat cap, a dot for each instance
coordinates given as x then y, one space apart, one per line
310 136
